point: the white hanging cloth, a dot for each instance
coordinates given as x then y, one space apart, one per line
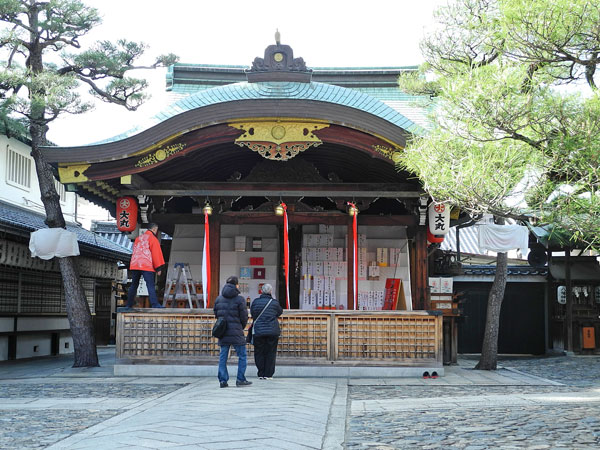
502 238
50 242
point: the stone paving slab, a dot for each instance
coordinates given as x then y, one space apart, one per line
516 406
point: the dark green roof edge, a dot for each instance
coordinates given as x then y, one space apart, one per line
345 69
320 92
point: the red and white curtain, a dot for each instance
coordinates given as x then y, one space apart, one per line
355 252
206 263
286 256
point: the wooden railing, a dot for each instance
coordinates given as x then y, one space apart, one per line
183 336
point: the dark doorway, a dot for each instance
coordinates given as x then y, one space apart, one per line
521 319
102 316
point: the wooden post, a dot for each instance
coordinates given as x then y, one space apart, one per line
215 257
549 337
419 270
569 314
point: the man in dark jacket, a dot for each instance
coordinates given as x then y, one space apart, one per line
265 331
231 306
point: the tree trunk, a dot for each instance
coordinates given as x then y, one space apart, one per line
78 311
489 348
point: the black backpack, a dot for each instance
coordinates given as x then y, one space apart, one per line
219 328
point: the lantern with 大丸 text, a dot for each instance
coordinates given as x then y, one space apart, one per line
433 239
127 212
439 219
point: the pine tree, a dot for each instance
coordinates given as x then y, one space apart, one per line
42 68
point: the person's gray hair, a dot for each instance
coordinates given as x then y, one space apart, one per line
267 288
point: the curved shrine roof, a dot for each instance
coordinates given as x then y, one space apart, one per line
320 92
257 91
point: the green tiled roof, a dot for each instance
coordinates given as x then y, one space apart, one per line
319 92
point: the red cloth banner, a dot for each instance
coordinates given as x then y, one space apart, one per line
206 263
286 256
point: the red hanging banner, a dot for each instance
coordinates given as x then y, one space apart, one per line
355 251
206 263
286 256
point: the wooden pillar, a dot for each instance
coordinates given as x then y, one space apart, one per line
215 257
419 270
350 259
569 312
549 328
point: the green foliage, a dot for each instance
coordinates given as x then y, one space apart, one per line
34 36
504 128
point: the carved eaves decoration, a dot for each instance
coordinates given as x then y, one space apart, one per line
278 141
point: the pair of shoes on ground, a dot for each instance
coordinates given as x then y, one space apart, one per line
433 375
265 378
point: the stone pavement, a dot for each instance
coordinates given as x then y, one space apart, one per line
533 403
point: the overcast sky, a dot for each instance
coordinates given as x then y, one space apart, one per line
332 33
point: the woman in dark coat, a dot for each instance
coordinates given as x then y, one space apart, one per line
265 332
231 306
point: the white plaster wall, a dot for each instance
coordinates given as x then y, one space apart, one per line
42 323
6 324
26 344
3 348
27 198
65 343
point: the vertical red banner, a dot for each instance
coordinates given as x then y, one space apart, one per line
355 251
206 263
286 256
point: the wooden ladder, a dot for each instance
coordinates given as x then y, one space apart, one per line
184 280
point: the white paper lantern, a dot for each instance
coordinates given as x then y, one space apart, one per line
439 218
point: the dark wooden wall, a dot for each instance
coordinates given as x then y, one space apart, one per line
522 329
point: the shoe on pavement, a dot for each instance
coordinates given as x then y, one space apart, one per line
223 384
243 383
426 375
434 374
262 378
267 378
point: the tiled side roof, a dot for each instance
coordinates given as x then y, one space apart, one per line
118 238
512 270
31 221
318 92
469 241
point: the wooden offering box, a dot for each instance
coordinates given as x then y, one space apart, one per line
382 338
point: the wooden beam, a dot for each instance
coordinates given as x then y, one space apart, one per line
346 190
135 181
324 218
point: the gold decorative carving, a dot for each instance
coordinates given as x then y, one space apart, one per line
279 141
73 174
159 155
389 152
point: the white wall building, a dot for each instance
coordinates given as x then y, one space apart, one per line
33 319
